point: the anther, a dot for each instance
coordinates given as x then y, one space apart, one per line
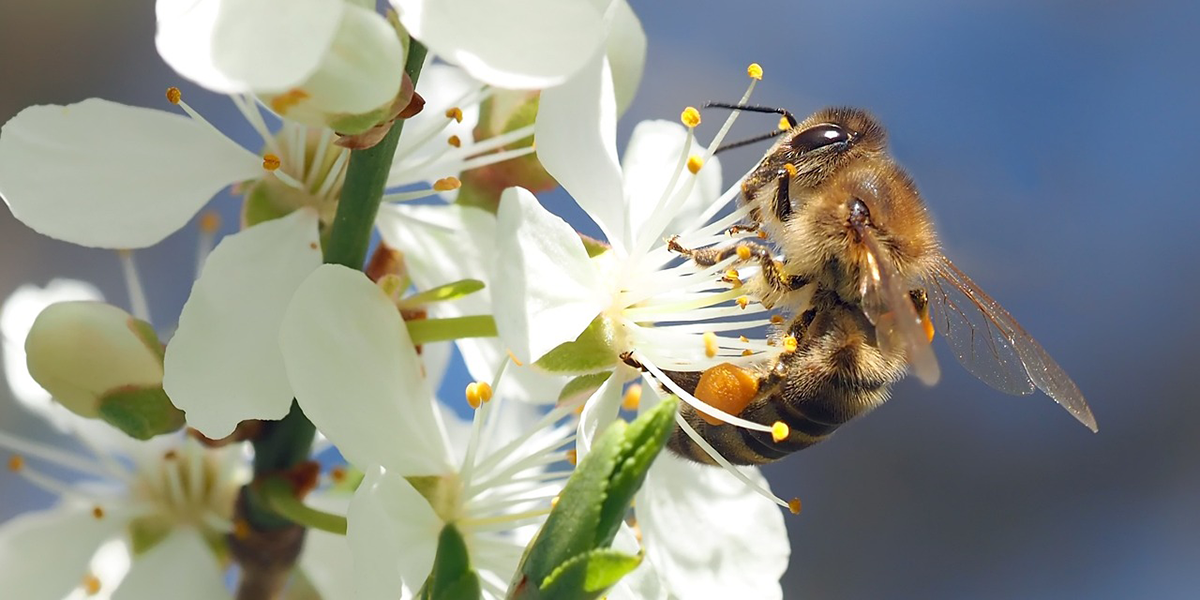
710 344
572 456
747 352
286 101
784 124
794 506
743 339
271 162
791 169
789 343
98 512
91 584
446 184
743 252
16 462
754 71
743 301
776 319
454 141
210 222
690 117
513 357
779 431
732 275
337 474
694 164
170 455
632 397
474 395
455 113
174 95
241 529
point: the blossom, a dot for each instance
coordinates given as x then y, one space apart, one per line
344 340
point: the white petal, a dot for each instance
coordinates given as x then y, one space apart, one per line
547 289
238 46
326 559
443 244
626 48
599 410
708 534
643 583
576 134
224 366
392 533
181 567
516 44
103 174
357 376
650 161
426 134
45 554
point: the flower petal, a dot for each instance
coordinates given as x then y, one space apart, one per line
576 133
425 135
643 583
45 554
181 567
650 161
103 174
599 410
224 366
392 533
546 288
626 49
357 376
326 559
234 46
708 534
519 44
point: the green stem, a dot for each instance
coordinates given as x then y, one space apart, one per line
280 497
424 331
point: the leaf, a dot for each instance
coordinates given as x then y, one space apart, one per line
452 577
589 575
442 293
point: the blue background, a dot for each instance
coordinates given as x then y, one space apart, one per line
1056 144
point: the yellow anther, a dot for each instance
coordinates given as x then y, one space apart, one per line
337 474
743 252
98 512
210 222
743 339
780 431
170 455
632 397
572 456
747 352
454 141
754 71
473 396
789 343
286 101
732 274
91 584
485 391
710 344
271 162
446 184
241 529
743 301
776 319
784 124
455 113
513 357
791 169
16 462
794 506
762 235
694 164
690 117
174 95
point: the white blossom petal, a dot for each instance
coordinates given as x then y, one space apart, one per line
708 534
181 567
45 554
392 532
103 174
643 583
425 134
626 49
651 158
224 365
547 289
232 46
515 44
576 133
357 376
599 410
326 560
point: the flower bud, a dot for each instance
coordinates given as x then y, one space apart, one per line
505 111
100 362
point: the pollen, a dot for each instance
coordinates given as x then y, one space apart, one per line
288 100
241 529
98 512
776 319
732 275
572 456
754 71
271 162
710 344
210 222
743 339
632 397
174 95
478 392
789 343
747 352
743 252
454 141
784 125
727 387
91 584
780 431
694 164
170 455
455 113
554 502
337 474
743 301
16 462
794 506
513 357
791 169
690 117
446 184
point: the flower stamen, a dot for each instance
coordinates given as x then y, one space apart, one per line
133 284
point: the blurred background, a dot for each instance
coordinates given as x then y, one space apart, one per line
1055 142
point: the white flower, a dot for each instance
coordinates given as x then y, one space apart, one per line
360 381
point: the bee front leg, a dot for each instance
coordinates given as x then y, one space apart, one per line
746 252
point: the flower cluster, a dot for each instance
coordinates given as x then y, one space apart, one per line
297 407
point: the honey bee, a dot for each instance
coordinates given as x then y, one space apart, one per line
860 272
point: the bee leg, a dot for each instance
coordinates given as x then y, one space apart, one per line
745 251
628 359
755 229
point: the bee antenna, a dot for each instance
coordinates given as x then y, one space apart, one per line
747 142
755 108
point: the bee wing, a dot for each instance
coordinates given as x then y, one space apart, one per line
889 307
993 346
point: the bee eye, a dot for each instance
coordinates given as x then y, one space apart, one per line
819 136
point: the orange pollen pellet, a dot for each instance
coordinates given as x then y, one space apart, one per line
743 252
632 398
271 162
747 352
241 529
572 456
762 235
690 117
174 95
694 164
791 169
789 343
776 319
710 344
743 301
210 222
98 512
754 71
727 387
780 431
454 141
446 184
794 506
16 462
337 474
455 113
91 584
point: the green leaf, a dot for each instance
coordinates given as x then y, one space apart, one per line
643 441
442 293
452 577
141 413
589 575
